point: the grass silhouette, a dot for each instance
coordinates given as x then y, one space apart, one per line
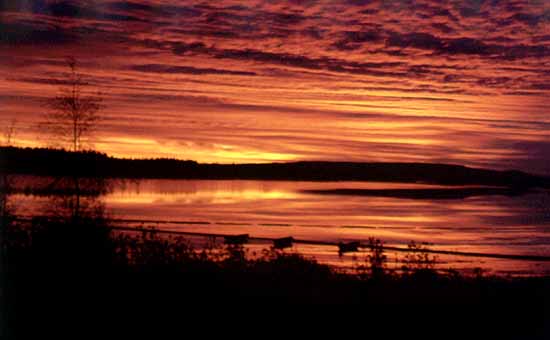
78 264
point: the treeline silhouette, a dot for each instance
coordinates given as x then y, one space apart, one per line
54 162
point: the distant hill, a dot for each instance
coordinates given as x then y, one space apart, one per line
50 162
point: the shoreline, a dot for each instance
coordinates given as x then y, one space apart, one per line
53 162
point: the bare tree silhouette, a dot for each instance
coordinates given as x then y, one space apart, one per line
5 179
9 132
74 111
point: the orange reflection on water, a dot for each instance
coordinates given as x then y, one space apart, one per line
493 224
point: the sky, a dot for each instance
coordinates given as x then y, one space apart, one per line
462 82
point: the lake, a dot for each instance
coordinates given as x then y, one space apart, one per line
500 224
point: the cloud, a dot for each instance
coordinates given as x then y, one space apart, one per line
354 79
39 80
153 11
529 19
353 40
182 48
287 59
442 27
171 69
531 155
78 10
205 32
131 6
21 33
416 40
466 46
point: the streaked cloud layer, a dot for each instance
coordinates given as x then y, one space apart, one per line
464 82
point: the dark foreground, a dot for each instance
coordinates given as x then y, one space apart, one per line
77 271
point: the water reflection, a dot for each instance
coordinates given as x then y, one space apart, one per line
496 224
65 225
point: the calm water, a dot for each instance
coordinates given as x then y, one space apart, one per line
492 224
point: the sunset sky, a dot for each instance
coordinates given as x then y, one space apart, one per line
464 82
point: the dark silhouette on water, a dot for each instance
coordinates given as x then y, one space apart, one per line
236 239
348 247
441 193
283 242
